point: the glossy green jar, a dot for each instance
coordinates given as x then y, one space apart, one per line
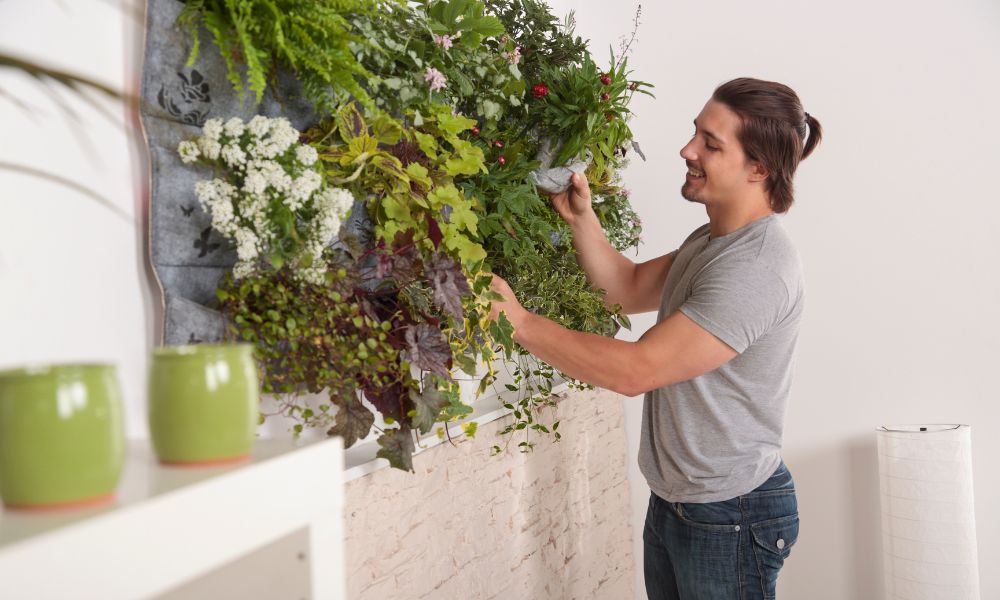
203 403
62 435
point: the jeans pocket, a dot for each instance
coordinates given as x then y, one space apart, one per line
772 543
722 516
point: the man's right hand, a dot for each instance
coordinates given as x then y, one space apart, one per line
637 288
574 205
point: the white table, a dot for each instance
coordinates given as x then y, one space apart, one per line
172 525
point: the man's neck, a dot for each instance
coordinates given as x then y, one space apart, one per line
727 219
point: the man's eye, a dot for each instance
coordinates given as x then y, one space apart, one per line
712 148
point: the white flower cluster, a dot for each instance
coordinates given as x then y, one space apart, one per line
266 174
332 206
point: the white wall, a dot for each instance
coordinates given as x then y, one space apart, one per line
72 273
897 220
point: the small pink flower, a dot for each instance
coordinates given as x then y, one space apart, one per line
515 56
626 193
444 41
435 78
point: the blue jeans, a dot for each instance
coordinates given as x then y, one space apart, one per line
728 550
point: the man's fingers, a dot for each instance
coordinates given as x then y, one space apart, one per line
560 202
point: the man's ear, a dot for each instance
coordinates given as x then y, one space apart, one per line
758 172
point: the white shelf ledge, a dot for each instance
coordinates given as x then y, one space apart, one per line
170 525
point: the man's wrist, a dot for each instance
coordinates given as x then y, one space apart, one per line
585 222
519 320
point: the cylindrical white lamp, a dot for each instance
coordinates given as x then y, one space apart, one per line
928 521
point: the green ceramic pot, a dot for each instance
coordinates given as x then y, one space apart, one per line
203 402
62 436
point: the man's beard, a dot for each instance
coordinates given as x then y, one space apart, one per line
689 194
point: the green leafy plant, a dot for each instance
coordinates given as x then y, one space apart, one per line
437 143
587 109
314 338
471 69
533 384
337 338
410 177
543 40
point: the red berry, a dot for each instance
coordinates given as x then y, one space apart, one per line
633 86
498 144
609 116
605 96
540 90
475 131
605 79
502 160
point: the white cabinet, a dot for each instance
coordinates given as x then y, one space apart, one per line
173 525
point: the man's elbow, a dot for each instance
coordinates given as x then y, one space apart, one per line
643 375
631 389
633 383
628 390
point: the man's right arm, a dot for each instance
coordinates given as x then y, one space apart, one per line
636 287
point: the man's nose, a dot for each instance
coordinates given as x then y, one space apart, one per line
687 153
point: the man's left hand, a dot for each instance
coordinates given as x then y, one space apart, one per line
508 305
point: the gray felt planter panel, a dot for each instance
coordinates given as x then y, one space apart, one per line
189 256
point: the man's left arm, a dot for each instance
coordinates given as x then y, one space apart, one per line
674 350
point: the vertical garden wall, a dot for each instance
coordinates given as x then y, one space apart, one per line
335 181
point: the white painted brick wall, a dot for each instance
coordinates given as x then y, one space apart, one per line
550 524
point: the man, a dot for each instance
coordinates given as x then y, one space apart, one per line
716 368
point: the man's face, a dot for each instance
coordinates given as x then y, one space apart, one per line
718 172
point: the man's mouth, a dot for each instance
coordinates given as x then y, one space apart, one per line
695 173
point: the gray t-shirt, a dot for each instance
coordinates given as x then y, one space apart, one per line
718 435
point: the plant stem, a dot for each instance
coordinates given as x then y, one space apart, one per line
70 80
105 202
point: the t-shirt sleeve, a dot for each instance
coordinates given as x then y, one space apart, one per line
736 302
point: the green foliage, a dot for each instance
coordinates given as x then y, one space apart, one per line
544 41
587 109
312 338
621 223
396 446
310 37
404 42
532 382
410 183
444 174
429 403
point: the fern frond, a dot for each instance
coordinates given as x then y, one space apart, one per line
218 26
190 18
310 37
